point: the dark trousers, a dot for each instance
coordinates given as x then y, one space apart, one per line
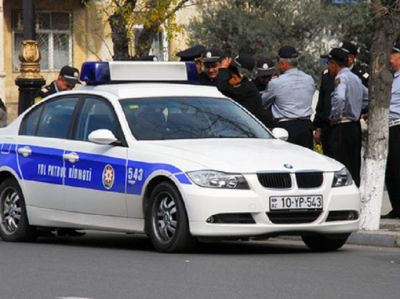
300 131
345 143
325 141
392 178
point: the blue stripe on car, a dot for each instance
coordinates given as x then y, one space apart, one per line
47 165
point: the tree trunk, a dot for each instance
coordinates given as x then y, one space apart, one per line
386 29
119 36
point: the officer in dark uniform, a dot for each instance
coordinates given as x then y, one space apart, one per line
211 63
234 81
323 109
66 80
321 120
265 72
195 54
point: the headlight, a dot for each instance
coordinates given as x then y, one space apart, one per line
342 178
216 179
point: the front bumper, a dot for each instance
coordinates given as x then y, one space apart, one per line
202 203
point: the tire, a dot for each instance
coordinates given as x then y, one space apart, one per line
325 242
167 220
14 225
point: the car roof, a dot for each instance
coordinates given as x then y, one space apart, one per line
140 90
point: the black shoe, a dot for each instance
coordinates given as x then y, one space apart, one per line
391 215
63 232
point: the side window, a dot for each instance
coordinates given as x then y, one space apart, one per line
30 122
56 118
96 114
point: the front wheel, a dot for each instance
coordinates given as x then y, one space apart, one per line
14 225
325 242
168 221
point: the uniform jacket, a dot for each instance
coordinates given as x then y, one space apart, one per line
323 109
46 91
246 93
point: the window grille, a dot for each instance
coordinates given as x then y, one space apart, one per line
54 36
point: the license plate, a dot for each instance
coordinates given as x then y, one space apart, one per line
307 202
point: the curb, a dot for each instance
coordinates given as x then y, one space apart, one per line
379 238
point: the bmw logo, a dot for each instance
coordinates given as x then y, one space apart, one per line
288 166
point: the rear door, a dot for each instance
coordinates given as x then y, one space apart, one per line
40 150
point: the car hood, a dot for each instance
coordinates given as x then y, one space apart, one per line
243 155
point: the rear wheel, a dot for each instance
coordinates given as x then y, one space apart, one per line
14 226
167 220
325 242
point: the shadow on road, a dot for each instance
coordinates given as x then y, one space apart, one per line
119 241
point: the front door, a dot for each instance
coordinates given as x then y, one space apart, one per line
95 178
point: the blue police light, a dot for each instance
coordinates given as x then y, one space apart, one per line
95 72
193 75
101 72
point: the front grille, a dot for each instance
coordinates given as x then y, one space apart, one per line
309 179
342 216
275 180
232 218
293 217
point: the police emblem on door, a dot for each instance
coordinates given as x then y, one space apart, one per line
108 176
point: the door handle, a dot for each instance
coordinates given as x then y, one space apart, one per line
71 157
25 151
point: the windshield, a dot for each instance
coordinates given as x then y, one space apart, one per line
189 118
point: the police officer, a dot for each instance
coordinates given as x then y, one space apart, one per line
66 80
352 50
234 81
265 72
392 178
323 110
346 105
211 62
291 97
195 54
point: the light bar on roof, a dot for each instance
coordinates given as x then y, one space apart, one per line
94 73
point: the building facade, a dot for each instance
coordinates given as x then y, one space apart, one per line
68 32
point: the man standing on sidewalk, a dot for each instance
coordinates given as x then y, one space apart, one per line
347 101
291 97
393 160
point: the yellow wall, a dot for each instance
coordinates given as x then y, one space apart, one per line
90 40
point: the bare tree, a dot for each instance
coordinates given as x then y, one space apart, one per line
386 16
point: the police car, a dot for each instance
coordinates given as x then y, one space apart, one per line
176 161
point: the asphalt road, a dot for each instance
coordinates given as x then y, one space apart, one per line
107 265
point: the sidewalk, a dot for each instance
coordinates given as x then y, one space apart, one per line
388 234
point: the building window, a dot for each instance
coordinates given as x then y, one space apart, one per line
53 33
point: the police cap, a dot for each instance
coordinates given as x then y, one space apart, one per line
287 52
338 55
349 47
191 53
265 66
243 65
212 56
70 74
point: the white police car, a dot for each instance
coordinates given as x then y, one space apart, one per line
175 161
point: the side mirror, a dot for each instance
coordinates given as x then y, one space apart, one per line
280 133
102 136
